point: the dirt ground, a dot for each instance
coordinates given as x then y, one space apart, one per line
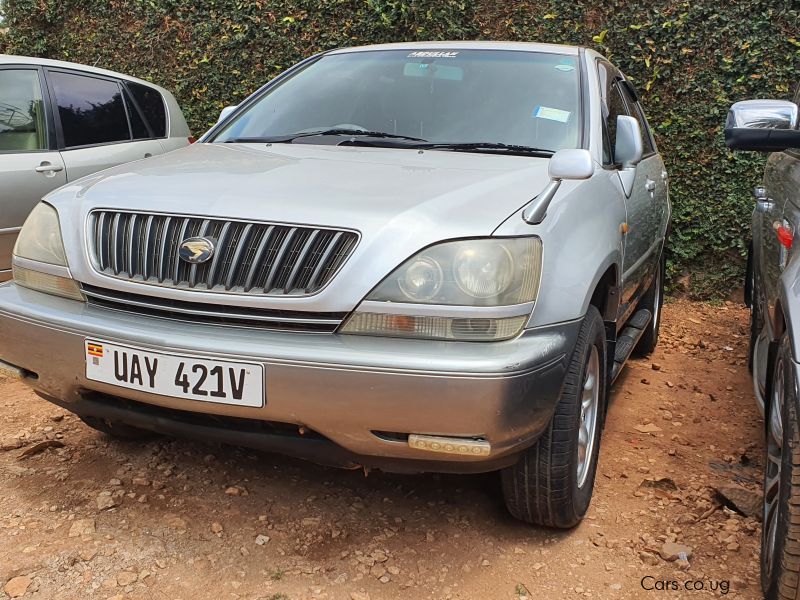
171 519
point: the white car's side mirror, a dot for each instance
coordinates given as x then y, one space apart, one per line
628 149
225 112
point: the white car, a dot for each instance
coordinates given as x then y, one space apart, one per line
60 121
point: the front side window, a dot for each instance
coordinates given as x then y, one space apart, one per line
528 99
636 111
91 110
613 106
22 121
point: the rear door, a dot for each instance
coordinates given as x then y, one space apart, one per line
97 124
30 166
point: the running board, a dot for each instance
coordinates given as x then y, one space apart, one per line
626 341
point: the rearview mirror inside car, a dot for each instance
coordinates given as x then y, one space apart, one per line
628 146
225 112
765 125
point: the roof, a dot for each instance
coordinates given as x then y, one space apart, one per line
468 45
13 59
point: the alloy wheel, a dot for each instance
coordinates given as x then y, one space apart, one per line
590 402
772 476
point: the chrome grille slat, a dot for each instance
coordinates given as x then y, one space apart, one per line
249 258
162 250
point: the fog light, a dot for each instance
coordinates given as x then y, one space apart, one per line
449 445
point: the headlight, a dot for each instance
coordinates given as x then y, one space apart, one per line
484 272
484 289
39 261
40 238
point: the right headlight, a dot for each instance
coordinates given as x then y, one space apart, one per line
478 290
39 260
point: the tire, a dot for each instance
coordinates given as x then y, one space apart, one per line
118 430
652 300
550 485
780 539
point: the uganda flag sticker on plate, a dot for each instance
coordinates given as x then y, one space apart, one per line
94 349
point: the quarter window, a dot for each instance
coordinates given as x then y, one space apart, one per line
91 110
152 106
22 122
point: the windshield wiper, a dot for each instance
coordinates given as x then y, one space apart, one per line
284 139
494 146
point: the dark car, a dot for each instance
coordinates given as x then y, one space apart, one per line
773 293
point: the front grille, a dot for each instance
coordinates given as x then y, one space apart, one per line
213 314
249 258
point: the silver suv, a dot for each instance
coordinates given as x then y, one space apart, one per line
60 121
413 257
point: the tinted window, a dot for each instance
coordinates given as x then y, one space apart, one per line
614 107
138 128
91 109
461 96
152 106
22 123
636 111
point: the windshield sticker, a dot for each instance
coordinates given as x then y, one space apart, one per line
551 114
432 54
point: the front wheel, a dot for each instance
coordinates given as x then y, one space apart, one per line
552 482
780 535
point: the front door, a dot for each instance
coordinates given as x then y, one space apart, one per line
29 169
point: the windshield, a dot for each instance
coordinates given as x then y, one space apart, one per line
529 99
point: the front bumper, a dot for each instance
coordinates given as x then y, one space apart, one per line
343 389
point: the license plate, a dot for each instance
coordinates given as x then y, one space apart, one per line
177 376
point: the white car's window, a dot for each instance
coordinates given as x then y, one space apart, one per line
151 104
460 96
22 122
90 109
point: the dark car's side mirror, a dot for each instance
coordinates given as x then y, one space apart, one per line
765 125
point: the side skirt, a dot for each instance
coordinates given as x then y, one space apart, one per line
626 341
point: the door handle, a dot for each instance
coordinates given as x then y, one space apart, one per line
147 155
48 169
650 185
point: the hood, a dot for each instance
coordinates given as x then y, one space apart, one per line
359 188
399 200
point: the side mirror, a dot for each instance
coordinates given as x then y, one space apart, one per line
225 112
628 146
766 125
571 163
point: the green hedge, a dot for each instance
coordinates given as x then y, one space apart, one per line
690 61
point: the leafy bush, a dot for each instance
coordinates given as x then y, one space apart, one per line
690 61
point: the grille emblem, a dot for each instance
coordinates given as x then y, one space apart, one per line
196 250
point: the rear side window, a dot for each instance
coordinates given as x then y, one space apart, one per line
22 123
91 110
152 106
138 126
